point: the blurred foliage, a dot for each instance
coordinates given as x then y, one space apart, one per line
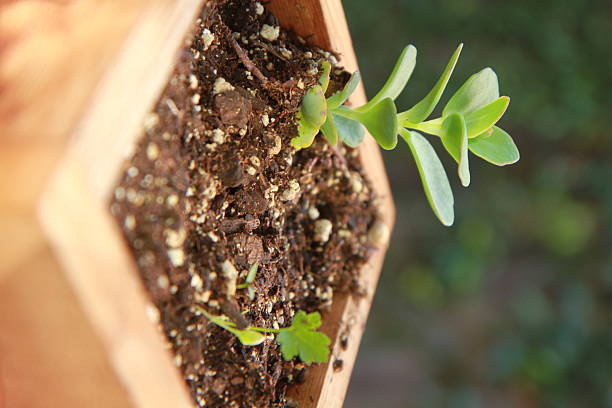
513 305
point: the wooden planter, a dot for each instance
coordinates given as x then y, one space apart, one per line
74 209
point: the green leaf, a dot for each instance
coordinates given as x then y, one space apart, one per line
495 146
479 90
311 116
251 292
301 339
306 135
350 131
423 109
248 337
324 78
397 80
329 130
380 120
341 96
455 140
313 108
433 176
252 273
483 119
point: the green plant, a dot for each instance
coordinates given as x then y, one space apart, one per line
248 282
467 124
300 339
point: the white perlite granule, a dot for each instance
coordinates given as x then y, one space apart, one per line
322 230
269 32
207 38
221 85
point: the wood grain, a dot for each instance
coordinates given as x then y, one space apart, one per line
75 212
52 56
74 209
49 354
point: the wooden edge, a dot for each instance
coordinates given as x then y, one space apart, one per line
326 386
74 208
88 243
98 262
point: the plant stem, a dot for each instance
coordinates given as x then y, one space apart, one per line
432 127
264 330
348 113
217 319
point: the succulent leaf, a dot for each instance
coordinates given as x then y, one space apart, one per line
495 146
423 109
435 183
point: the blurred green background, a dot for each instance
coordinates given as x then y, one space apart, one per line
511 307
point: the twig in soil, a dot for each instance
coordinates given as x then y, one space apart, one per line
247 61
339 155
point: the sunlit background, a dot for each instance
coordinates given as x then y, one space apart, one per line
512 306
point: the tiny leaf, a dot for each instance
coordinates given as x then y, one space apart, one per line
247 336
495 146
479 90
329 130
313 108
324 78
341 96
252 272
423 109
301 339
311 116
483 119
251 292
433 176
306 134
397 80
455 140
350 131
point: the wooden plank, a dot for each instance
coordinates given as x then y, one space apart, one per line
52 56
49 354
75 214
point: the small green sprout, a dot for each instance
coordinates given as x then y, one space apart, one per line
467 124
248 282
300 339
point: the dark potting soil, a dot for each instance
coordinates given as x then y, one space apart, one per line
214 185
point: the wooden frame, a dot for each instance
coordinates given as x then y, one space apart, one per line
74 209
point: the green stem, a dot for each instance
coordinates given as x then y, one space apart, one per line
264 330
226 322
348 113
433 127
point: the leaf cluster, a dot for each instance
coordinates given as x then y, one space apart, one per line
467 124
300 339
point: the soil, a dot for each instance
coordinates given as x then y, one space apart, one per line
214 181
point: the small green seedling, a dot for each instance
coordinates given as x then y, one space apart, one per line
248 282
467 124
300 339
